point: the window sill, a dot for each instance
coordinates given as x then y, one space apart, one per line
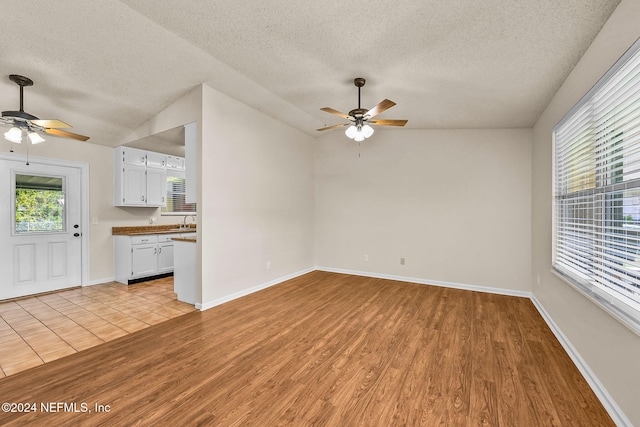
178 214
628 320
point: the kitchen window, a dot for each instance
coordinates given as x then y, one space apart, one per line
597 192
176 195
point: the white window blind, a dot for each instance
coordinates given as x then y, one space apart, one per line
597 189
176 195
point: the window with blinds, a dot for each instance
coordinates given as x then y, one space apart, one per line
597 190
176 195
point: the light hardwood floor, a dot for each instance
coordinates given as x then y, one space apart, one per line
324 349
39 329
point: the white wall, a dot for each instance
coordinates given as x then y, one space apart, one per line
610 349
256 198
454 203
185 109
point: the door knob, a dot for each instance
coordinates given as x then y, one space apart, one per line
76 234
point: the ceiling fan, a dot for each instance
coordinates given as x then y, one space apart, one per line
360 118
20 121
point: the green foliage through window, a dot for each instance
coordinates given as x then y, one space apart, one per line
39 206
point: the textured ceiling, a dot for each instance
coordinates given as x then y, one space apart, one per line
108 66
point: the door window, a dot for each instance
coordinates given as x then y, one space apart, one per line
39 204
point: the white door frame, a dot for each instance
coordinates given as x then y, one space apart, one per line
84 199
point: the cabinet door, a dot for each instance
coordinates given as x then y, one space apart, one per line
173 162
134 156
156 187
165 257
134 185
144 260
156 160
181 163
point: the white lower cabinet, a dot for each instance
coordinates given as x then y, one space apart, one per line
165 257
138 257
144 260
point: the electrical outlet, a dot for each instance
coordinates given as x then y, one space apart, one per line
268 265
538 280
366 258
402 261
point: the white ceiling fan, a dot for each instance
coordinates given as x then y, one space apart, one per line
360 118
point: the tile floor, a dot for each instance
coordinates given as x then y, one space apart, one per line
39 329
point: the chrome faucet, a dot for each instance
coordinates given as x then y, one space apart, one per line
184 221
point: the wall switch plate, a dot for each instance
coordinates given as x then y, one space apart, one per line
402 261
268 265
94 220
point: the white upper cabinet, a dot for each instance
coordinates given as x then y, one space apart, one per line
174 162
156 160
139 178
133 156
156 187
134 186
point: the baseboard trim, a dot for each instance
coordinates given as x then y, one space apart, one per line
245 292
100 281
463 286
598 388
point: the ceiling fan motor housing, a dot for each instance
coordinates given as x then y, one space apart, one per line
358 112
20 80
19 114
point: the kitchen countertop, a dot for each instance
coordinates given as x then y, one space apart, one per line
152 229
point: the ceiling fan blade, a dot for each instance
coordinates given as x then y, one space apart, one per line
388 122
335 126
336 112
65 134
382 106
57 124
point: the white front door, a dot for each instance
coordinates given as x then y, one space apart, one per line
40 228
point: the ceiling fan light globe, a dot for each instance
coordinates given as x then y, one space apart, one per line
351 132
14 135
359 137
367 131
35 138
